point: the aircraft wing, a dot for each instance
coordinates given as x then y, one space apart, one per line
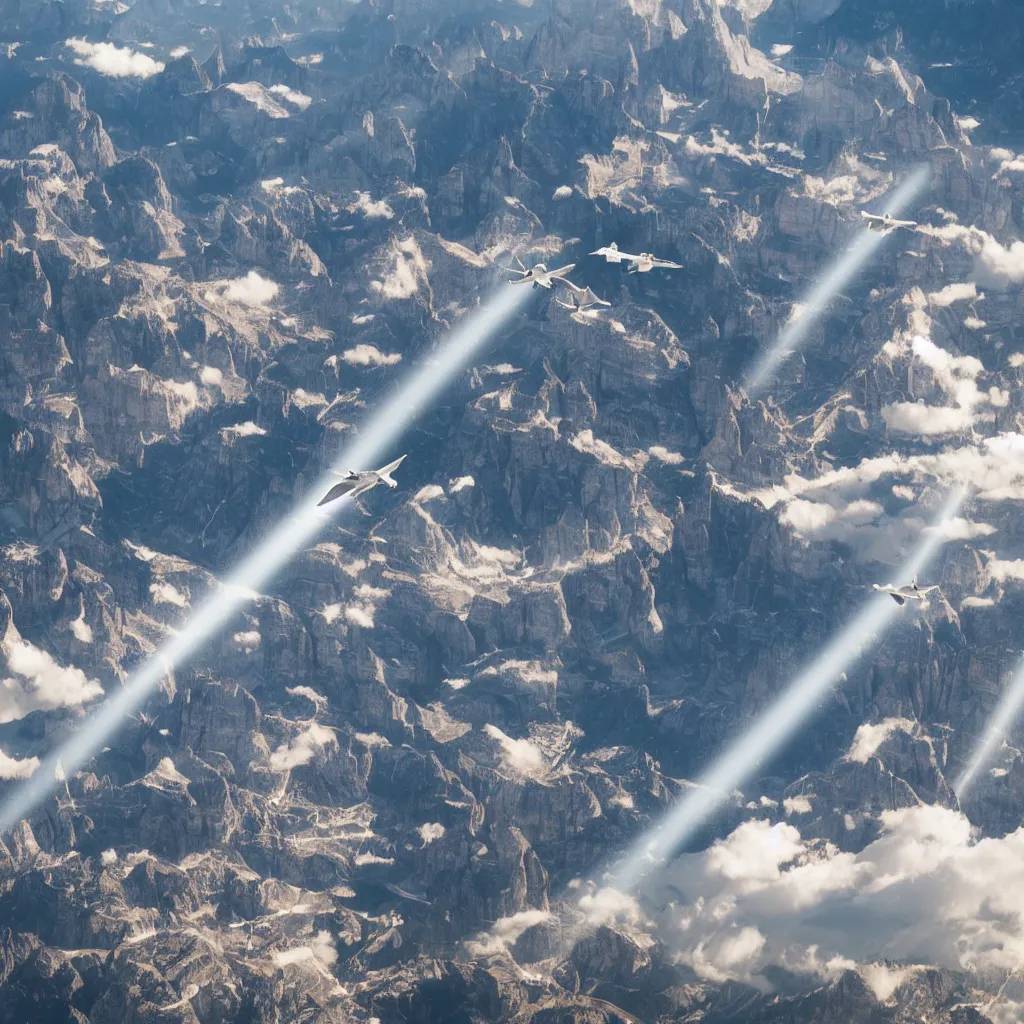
561 271
391 466
668 264
339 490
871 216
898 598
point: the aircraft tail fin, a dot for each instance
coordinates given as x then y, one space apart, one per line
385 473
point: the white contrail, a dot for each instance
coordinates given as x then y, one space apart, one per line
997 729
367 452
792 708
834 280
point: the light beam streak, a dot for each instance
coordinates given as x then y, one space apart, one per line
998 727
373 441
776 725
834 280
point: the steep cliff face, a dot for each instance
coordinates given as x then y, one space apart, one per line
391 786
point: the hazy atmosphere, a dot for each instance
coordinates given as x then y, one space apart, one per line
510 512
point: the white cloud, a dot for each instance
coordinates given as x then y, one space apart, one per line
211 376
302 748
963 292
108 858
369 355
178 51
38 683
522 757
926 892
460 484
995 264
13 768
431 831
164 593
505 931
797 805
296 99
869 737
957 377
371 210
251 290
408 271
360 615
115 61
664 455
248 640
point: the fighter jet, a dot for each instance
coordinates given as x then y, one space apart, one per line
353 483
640 264
885 222
582 301
539 275
613 254
903 594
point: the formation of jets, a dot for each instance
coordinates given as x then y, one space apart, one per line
883 223
901 595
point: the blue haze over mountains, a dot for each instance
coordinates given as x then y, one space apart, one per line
389 790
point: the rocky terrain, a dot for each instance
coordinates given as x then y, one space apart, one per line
389 791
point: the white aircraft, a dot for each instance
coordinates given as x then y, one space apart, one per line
539 275
583 299
639 264
353 484
903 594
885 222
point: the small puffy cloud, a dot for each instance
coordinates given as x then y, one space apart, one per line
754 852
505 931
360 615
370 355
211 376
248 640
15 768
296 99
302 748
370 209
115 61
251 290
108 858
965 291
431 831
797 805
460 484
869 737
664 455
38 683
164 593
407 273
178 52
521 757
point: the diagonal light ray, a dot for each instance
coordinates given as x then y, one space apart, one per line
832 282
999 725
776 725
368 450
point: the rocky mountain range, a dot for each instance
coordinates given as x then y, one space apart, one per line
394 787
